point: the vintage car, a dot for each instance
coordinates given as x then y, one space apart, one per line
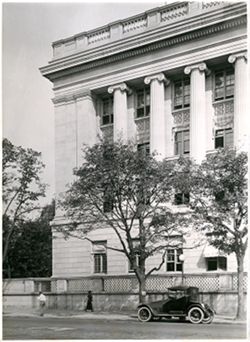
182 302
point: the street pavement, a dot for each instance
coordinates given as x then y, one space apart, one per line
116 326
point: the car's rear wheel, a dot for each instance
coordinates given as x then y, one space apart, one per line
208 318
195 315
144 314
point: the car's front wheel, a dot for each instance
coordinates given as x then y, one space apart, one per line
195 315
208 318
144 314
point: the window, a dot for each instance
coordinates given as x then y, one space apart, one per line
224 84
144 148
143 103
108 202
181 198
107 111
216 263
182 93
224 138
173 262
182 142
100 256
136 245
137 261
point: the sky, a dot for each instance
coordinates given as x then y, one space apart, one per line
28 30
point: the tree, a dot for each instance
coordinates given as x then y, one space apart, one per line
22 188
218 190
126 190
31 254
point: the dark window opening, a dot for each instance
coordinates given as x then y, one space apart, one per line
181 198
224 138
216 263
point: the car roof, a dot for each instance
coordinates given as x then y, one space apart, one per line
181 288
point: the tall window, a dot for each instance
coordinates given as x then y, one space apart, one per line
224 138
224 84
107 111
173 262
216 263
143 103
182 93
108 201
136 244
100 256
182 142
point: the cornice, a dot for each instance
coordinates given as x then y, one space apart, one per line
60 99
196 34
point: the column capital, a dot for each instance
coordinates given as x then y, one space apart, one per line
121 86
160 77
232 58
200 66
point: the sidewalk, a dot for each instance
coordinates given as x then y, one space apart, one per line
99 315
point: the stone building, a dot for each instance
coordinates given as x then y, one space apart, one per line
175 79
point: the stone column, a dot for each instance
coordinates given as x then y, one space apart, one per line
157 114
240 100
197 111
120 111
86 131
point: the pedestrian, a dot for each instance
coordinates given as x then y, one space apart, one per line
89 305
42 302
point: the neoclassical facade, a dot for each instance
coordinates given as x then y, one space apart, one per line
173 79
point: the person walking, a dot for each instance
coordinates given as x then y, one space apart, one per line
42 303
89 305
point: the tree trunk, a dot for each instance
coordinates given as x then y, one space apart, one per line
240 281
142 288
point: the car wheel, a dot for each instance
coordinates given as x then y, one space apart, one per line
144 314
195 315
208 318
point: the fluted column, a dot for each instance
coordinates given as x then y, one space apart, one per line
157 114
120 110
197 111
240 100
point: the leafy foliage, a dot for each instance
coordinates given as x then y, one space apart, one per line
22 188
137 188
218 190
30 253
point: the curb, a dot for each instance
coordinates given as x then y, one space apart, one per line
103 316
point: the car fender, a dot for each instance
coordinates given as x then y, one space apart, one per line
196 305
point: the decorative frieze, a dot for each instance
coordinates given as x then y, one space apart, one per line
181 117
108 132
224 113
142 129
